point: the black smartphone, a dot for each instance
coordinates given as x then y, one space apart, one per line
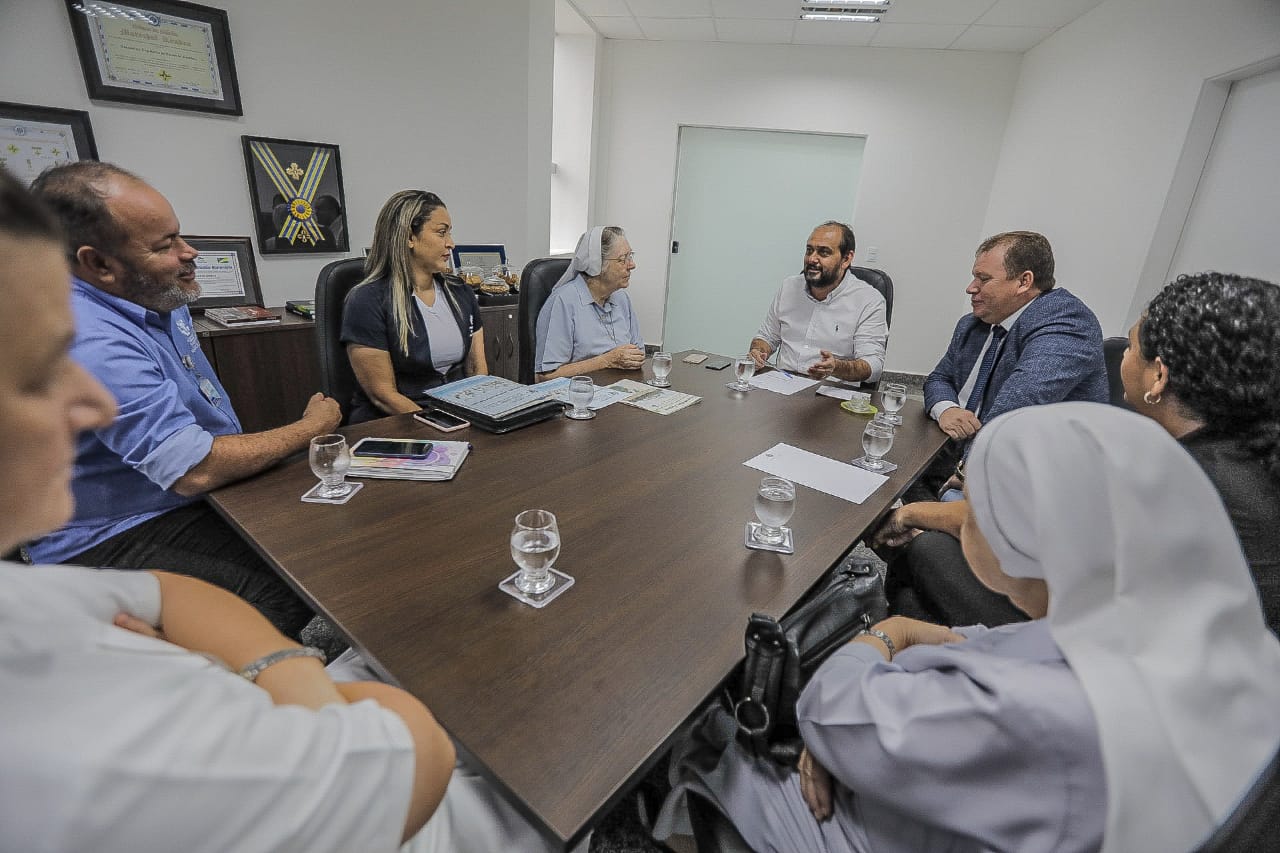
717 362
392 448
443 421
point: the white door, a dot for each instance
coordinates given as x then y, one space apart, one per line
745 203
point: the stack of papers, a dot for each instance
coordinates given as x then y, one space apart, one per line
558 389
663 401
444 460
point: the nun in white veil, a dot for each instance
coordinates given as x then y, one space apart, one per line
1129 716
587 323
1150 601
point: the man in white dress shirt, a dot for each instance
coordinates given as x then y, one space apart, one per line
826 322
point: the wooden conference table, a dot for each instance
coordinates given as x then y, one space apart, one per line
565 706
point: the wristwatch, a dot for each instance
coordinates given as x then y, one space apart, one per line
253 670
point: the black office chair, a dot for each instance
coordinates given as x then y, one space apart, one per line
1252 827
880 280
1112 352
337 379
536 281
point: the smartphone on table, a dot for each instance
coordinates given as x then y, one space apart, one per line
392 448
443 421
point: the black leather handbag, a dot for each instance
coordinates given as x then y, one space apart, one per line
781 656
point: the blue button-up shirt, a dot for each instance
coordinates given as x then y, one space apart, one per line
171 406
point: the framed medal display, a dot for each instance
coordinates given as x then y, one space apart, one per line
295 189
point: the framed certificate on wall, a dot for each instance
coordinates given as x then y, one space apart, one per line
164 53
34 138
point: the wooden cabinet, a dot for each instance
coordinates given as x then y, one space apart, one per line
270 372
502 339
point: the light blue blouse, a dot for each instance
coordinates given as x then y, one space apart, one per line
572 327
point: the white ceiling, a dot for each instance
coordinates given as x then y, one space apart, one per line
1006 25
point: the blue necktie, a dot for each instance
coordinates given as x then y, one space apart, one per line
984 371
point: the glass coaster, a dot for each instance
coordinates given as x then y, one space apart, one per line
312 495
786 546
660 383
585 416
885 465
542 599
732 386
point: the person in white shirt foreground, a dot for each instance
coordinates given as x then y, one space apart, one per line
125 724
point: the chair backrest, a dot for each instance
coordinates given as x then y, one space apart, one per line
1251 828
536 281
880 280
332 286
1112 353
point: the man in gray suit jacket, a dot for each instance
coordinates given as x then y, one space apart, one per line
1025 343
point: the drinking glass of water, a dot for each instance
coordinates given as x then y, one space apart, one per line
329 461
893 397
775 504
661 369
877 439
535 544
581 390
744 368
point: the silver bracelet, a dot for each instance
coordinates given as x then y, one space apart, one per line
253 670
882 637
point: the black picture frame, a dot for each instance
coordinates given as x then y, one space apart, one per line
13 116
210 248
295 190
91 35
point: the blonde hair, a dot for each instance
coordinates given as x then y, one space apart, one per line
401 217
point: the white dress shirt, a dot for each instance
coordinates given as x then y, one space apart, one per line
850 323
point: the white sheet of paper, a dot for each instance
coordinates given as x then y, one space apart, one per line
837 391
781 383
838 479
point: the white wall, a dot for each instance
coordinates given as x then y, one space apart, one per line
571 137
451 97
1102 113
1232 224
933 122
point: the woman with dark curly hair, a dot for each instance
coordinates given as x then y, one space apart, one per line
1201 363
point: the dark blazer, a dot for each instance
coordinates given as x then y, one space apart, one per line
1053 353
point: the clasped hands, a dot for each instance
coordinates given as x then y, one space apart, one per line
626 357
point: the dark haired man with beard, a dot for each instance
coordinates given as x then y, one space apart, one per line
138 480
826 321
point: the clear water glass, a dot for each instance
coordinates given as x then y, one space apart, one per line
877 440
535 545
661 369
581 390
893 397
744 368
775 504
330 460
